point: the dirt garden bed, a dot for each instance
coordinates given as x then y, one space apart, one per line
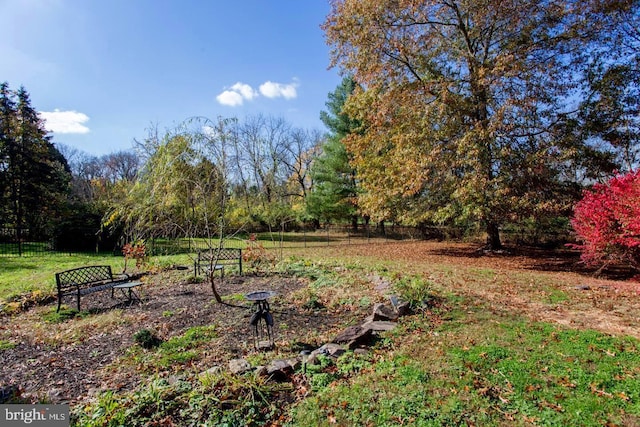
73 360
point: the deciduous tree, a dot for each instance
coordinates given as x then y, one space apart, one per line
183 188
459 98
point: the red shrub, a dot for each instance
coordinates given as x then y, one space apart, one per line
137 251
607 222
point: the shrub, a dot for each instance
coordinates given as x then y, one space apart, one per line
414 289
137 251
255 254
607 222
63 315
146 339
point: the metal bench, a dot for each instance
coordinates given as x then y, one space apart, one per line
216 259
85 280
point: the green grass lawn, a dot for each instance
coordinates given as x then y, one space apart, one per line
23 275
482 370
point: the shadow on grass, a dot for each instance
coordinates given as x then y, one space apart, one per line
540 259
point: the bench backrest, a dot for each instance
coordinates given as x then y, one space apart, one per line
83 276
220 254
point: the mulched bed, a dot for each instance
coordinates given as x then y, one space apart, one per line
44 366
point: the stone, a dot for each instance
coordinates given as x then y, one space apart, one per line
379 325
279 370
279 365
265 346
401 307
384 312
239 366
353 334
295 363
332 350
261 372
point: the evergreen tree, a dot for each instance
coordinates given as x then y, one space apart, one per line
7 124
34 176
334 195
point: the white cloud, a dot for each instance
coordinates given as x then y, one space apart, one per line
65 121
276 90
240 92
245 90
237 94
230 98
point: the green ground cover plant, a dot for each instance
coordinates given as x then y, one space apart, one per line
212 400
153 354
6 345
63 315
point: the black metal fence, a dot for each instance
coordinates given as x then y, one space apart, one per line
326 236
25 243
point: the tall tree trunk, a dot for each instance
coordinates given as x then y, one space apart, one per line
493 236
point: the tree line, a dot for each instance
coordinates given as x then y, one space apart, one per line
457 113
188 181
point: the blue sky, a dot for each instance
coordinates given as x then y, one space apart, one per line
101 72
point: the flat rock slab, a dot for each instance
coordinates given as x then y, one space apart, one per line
401 307
239 366
353 334
330 350
285 365
379 325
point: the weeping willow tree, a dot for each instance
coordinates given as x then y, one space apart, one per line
182 189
